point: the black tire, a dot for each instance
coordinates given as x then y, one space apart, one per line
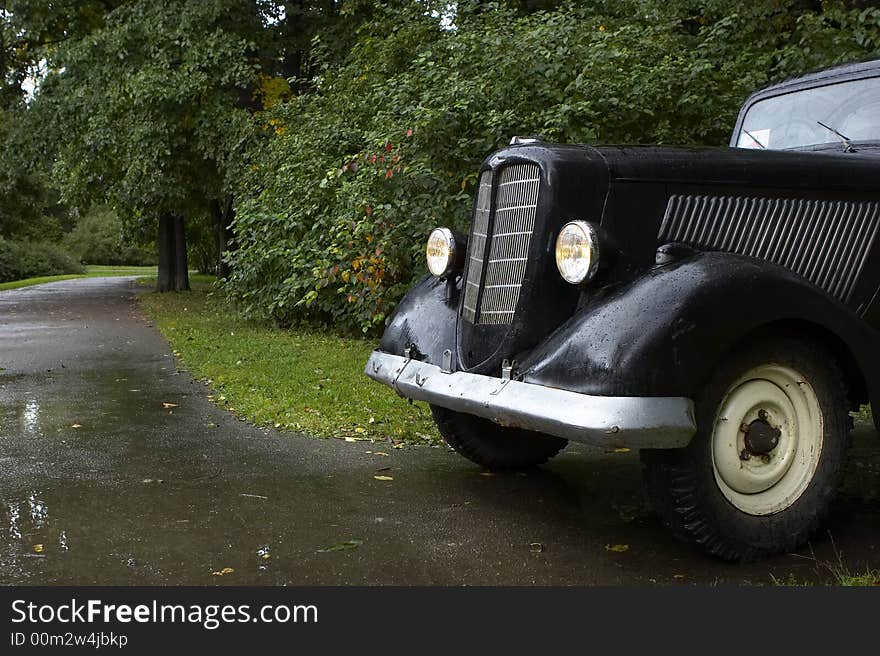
682 483
492 446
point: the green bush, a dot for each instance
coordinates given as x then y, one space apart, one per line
348 178
20 259
98 239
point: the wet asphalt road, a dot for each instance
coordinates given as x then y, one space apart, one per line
100 483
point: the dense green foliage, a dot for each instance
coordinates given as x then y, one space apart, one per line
138 111
26 259
343 130
98 238
346 180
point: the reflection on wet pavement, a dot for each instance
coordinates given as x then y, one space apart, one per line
115 469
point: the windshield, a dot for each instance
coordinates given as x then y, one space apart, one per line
792 120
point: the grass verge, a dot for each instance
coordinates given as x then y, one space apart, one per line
301 380
869 578
92 271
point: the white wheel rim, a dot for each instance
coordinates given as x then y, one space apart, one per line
767 483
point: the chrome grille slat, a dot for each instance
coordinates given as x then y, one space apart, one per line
826 242
514 222
477 247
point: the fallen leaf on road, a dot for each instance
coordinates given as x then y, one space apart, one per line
76 425
536 547
617 548
678 576
350 439
169 405
379 453
38 548
342 546
622 449
384 478
223 572
487 473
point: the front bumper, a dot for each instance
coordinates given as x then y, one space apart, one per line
615 421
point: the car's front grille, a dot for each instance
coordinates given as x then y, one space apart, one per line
493 284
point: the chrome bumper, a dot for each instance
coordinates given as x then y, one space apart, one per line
610 421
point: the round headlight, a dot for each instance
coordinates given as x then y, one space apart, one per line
441 252
577 252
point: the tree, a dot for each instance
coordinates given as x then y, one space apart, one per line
145 108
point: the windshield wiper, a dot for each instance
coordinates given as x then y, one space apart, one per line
848 147
755 139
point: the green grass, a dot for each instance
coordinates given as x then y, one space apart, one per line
196 280
92 271
300 379
871 577
839 576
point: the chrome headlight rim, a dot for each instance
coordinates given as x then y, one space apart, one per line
452 256
591 237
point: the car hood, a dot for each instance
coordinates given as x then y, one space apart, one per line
769 169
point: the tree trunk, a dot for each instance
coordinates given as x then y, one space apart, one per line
165 241
181 266
222 218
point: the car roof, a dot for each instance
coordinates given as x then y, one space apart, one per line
853 70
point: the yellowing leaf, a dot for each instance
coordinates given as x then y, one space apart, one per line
622 449
383 478
38 548
617 548
223 572
359 429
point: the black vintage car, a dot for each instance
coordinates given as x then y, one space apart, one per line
716 309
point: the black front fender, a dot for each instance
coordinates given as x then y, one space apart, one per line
425 317
662 334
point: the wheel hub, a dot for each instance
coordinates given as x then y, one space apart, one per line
761 438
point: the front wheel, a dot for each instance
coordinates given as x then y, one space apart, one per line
492 446
761 472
